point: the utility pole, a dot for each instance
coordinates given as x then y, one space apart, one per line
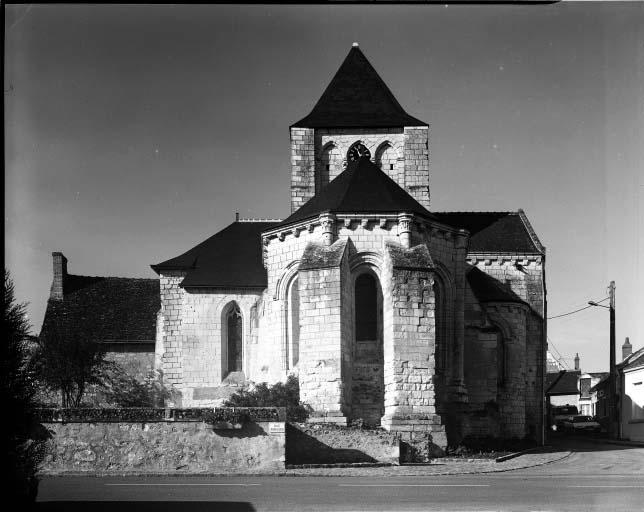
612 385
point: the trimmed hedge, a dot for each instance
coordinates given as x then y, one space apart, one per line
149 415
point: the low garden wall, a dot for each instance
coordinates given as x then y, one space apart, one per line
164 440
321 443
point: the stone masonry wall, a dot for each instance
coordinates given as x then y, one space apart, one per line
409 344
205 375
321 342
170 329
520 405
192 337
416 154
409 155
162 447
511 395
372 138
302 166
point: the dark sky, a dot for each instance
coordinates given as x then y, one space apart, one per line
135 132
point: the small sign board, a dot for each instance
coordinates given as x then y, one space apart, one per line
276 427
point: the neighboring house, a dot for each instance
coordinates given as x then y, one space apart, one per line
562 388
118 312
587 398
630 389
553 365
419 321
631 380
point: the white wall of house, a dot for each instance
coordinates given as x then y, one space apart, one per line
633 404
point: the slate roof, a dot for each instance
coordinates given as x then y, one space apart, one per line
362 188
232 258
106 309
562 383
493 231
357 97
488 289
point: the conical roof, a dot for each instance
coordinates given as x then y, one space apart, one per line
361 188
357 97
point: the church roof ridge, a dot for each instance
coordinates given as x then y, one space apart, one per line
259 219
362 188
507 212
357 97
494 231
80 276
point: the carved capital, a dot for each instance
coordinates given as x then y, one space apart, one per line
404 223
328 223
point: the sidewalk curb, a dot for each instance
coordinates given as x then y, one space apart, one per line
503 458
288 473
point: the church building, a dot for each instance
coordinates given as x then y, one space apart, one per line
388 312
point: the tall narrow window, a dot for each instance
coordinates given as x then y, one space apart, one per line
293 331
366 308
502 356
234 341
440 328
367 381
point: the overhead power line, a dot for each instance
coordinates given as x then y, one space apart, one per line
560 359
577 310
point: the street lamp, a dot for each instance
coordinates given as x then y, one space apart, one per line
612 380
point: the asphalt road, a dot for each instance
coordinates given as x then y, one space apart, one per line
594 477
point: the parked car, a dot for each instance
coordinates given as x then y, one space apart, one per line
559 413
581 423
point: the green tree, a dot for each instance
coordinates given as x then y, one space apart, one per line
67 363
24 437
280 395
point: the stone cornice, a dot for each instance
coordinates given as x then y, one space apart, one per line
524 259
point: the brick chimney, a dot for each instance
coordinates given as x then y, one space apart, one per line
576 361
627 349
60 271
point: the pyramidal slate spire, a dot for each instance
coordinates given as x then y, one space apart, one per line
357 97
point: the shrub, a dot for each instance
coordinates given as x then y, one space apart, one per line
279 395
123 390
67 364
23 439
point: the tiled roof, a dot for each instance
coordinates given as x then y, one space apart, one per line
357 97
115 309
361 188
488 289
493 231
232 258
563 383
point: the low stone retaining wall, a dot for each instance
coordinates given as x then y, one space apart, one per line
164 440
322 443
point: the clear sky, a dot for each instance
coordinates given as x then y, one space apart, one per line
135 132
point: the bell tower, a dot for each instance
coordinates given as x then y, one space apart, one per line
358 115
